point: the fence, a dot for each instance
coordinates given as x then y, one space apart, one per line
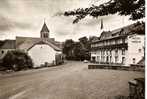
117 67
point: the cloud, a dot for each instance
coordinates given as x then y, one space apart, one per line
9 24
25 18
5 4
58 14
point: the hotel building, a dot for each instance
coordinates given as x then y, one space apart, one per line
121 46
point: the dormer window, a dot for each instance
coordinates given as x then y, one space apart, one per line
121 32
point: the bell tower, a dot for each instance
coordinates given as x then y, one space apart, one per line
44 33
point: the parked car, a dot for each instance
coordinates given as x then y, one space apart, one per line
85 61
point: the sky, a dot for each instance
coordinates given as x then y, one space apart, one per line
26 17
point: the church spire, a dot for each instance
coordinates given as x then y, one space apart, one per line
44 33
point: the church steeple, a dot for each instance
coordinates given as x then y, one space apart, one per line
44 33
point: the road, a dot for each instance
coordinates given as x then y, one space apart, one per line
69 81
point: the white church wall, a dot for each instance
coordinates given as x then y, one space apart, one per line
42 53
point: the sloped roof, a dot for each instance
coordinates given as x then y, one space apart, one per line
46 42
1 43
25 43
44 28
94 38
126 30
142 61
56 43
105 34
8 44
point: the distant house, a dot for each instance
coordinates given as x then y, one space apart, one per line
43 50
6 45
121 46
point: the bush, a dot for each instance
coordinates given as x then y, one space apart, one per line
17 60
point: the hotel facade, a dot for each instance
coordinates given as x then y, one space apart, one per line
120 46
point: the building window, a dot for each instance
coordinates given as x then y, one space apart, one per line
107 52
116 41
123 51
123 60
93 59
110 59
139 50
134 60
102 52
116 52
98 58
110 52
123 40
116 59
107 59
101 58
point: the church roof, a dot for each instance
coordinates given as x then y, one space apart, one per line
44 28
46 42
25 43
8 44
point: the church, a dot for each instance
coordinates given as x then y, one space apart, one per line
43 50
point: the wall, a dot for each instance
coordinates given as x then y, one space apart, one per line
135 43
42 53
102 54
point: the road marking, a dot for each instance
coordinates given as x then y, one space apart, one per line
18 94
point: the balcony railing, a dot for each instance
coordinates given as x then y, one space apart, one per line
122 45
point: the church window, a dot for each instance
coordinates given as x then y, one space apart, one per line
134 60
2 51
139 50
45 35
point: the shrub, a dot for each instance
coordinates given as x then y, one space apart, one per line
17 60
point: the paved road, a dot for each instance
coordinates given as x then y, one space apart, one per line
69 81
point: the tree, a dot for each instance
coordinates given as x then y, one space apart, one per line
68 46
77 50
138 28
134 8
80 52
84 41
17 60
